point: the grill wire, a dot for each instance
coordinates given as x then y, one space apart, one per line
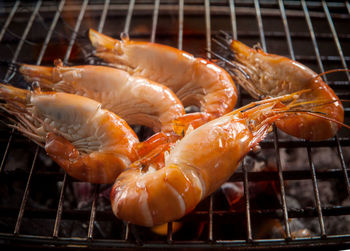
312 32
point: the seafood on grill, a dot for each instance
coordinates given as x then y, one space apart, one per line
266 75
198 164
195 81
90 143
137 100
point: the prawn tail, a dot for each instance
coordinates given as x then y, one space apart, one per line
163 196
96 167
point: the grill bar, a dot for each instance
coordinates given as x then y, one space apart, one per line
103 16
286 29
313 36
93 212
25 196
131 235
208 44
97 187
247 203
66 179
316 193
14 58
49 33
276 140
23 38
181 24
9 19
320 64
75 32
343 165
59 208
155 20
129 15
335 36
233 19
260 24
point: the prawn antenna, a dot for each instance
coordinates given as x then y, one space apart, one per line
233 65
332 71
319 115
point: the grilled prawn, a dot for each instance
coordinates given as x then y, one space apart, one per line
135 99
89 143
198 165
268 75
195 81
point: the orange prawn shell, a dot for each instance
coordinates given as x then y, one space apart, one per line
218 101
196 167
277 75
195 81
96 167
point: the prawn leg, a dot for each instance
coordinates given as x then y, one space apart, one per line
96 167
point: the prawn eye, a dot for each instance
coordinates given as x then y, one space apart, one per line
124 36
36 86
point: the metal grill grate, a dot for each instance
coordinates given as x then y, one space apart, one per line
314 33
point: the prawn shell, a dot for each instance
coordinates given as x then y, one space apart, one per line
153 198
195 81
273 75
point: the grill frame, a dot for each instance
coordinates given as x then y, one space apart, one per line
206 8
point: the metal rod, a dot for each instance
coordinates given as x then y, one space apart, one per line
260 25
49 34
316 193
97 187
9 19
93 212
282 185
18 49
26 193
343 165
59 208
128 16
127 231
320 64
181 24
335 37
65 179
233 19
155 20
286 29
24 36
210 213
247 202
75 32
103 16
6 151
313 37
170 233
207 27
208 44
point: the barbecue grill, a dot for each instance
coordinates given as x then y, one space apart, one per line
40 206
